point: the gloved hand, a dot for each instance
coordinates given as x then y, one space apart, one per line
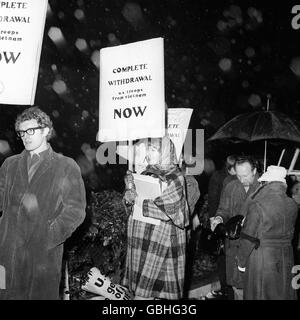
214 221
234 227
220 230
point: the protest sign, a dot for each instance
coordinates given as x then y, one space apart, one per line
186 140
147 187
178 123
177 126
98 283
21 36
132 93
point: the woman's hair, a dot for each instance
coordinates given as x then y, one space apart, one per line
40 116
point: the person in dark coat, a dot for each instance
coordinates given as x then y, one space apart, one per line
265 253
217 182
295 194
42 201
232 203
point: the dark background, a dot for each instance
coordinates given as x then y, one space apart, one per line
254 39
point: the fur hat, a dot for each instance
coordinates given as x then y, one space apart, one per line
274 173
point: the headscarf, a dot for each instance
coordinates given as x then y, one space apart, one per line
167 164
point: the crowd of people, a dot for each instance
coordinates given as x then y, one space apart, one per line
43 201
258 264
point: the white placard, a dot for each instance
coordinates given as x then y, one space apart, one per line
147 187
99 284
21 35
178 123
2 278
132 92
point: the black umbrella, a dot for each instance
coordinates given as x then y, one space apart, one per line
259 125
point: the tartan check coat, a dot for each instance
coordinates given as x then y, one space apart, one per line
155 263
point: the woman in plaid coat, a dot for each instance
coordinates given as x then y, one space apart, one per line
155 263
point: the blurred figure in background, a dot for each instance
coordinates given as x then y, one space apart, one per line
5 150
217 183
192 192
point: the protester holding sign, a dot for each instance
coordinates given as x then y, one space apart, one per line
155 264
42 201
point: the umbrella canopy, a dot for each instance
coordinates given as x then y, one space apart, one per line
259 125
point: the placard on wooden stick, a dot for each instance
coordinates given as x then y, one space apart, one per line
132 92
21 36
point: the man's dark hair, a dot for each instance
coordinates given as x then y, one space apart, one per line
40 116
247 159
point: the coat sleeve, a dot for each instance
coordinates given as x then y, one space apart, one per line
73 204
169 204
250 228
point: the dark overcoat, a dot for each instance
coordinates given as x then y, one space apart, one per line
270 217
37 217
234 202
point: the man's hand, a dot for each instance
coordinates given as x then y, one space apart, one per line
241 269
196 222
214 221
130 196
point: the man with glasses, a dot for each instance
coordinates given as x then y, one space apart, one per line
42 201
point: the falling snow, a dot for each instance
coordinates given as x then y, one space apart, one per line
221 59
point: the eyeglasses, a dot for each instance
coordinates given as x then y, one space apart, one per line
30 131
